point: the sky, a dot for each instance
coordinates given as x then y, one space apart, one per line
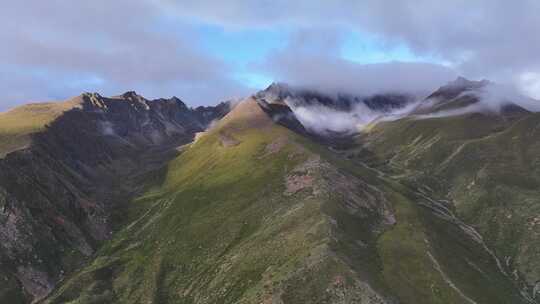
206 51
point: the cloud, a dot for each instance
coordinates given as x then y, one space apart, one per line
323 120
107 46
493 39
153 46
491 98
320 119
530 84
311 60
338 75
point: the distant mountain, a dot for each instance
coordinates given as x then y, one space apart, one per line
331 114
296 97
463 96
457 87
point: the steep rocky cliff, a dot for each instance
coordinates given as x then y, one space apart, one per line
62 194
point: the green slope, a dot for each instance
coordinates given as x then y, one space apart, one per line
17 125
485 167
253 213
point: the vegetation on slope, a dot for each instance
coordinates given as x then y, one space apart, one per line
253 213
484 167
219 229
62 197
18 124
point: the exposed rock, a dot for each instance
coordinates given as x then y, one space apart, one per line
274 147
302 177
58 197
228 140
35 282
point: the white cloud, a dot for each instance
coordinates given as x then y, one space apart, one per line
312 60
530 84
122 43
64 46
494 39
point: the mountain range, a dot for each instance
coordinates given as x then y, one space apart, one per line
291 195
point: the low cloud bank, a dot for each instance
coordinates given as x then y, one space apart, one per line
492 98
324 120
330 75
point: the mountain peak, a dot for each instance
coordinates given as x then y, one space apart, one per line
466 83
276 90
457 87
178 101
91 95
131 95
277 86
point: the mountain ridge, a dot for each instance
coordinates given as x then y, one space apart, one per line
59 194
260 208
367 224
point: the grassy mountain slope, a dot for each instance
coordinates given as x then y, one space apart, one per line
61 197
483 167
254 213
18 124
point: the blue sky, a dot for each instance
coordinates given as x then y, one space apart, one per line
241 49
206 51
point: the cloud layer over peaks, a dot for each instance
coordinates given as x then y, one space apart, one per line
206 51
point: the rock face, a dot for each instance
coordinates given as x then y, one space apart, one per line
60 197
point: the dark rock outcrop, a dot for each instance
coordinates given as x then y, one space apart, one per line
62 196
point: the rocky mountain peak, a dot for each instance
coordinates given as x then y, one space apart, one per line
91 94
278 87
464 82
275 91
131 95
59 191
178 101
134 97
457 87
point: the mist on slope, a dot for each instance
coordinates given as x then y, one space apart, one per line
305 69
492 99
324 120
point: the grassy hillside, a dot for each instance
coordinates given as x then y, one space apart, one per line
483 167
253 213
18 124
